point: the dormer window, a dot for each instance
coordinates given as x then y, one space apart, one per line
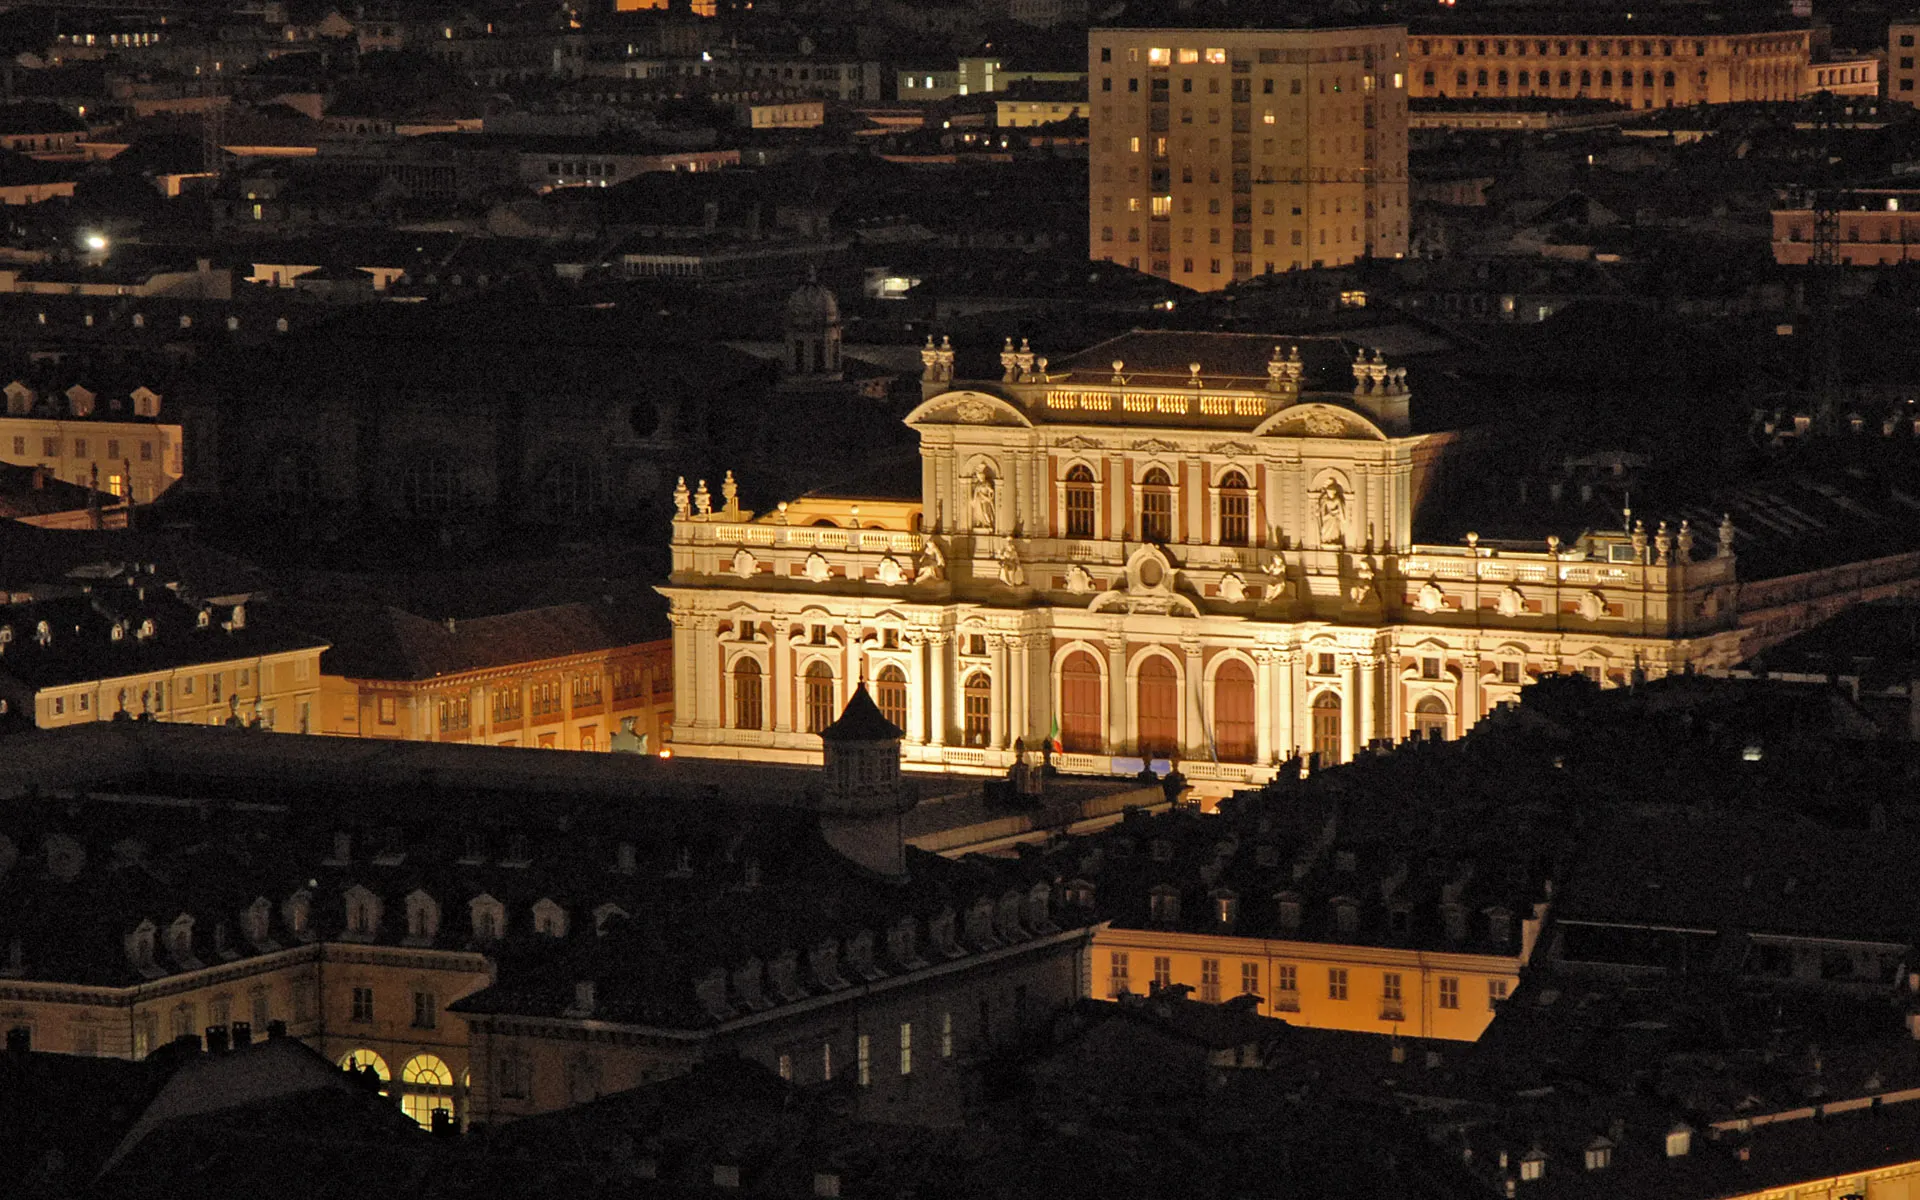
489 918
146 629
43 634
363 913
683 861
1346 917
119 634
139 945
624 860
1533 1166
1163 905
473 848
1599 1154
298 915
549 919
1679 1141
256 921
1226 908
423 918
205 618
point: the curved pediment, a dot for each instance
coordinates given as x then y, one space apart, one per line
1315 420
968 407
1151 586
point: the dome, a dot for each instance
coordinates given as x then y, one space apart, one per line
812 306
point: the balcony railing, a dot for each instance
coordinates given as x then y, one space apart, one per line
804 537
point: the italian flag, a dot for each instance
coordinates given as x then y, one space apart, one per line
1053 738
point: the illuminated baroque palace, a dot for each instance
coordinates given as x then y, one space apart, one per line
1198 546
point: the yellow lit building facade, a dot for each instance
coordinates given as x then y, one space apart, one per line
1639 64
1363 989
554 678
1220 154
1189 545
119 446
133 649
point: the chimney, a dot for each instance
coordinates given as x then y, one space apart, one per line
39 479
276 1030
19 1040
216 1039
241 1034
443 1125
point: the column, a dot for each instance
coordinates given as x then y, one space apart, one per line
1369 669
1019 719
1471 704
997 708
683 669
916 730
1263 707
1117 740
1350 725
1197 743
1300 728
780 676
936 675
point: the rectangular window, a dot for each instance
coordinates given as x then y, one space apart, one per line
1249 979
425 1007
385 702
946 1035
1117 983
1390 987
19 445
516 1076
1210 980
1509 672
79 447
1162 972
1337 983
1496 993
786 1067
864 1061
1449 992
363 1004
50 447
906 1047
826 1061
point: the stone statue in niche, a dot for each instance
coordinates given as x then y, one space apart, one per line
982 501
1013 572
1332 507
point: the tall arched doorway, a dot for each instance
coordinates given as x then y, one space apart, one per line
1159 707
1430 718
1233 723
1082 726
1327 741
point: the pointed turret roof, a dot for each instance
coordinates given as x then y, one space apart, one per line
861 721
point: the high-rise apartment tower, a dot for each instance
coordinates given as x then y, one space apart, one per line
1220 154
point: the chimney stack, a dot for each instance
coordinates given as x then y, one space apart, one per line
216 1039
276 1030
19 1040
241 1034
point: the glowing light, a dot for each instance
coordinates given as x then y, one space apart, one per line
96 242
666 754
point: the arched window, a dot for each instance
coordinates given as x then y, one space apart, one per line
1233 725
425 1084
426 488
1159 707
978 702
1326 727
1430 718
747 702
1235 509
1079 503
819 696
890 693
360 1060
1082 729
1606 79
1156 507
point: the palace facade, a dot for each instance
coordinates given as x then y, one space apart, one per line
1182 545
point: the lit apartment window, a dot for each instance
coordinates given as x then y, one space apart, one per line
1162 972
864 1059
1337 983
1157 57
906 1047
946 1035
1249 979
1118 982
